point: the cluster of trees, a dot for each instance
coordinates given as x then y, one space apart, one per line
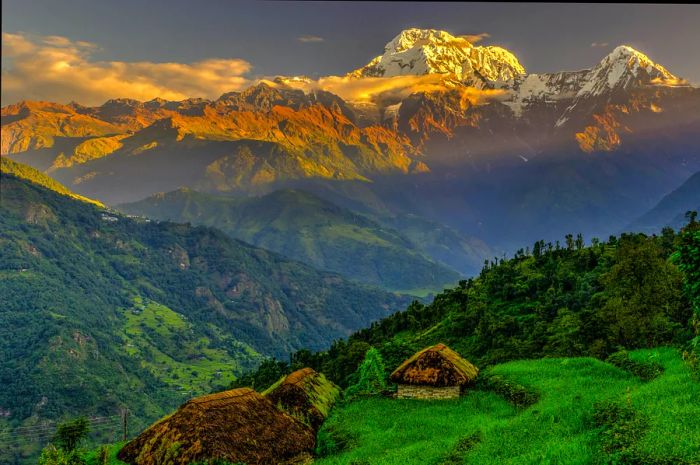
687 256
628 292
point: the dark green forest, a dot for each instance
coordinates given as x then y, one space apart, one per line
562 299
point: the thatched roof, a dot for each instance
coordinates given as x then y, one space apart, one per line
239 425
437 366
306 395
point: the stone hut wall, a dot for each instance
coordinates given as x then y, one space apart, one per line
409 391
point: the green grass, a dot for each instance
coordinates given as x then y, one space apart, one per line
388 431
558 429
92 457
672 405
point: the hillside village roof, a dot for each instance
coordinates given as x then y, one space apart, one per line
306 395
238 426
437 366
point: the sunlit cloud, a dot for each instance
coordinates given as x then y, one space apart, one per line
310 38
390 90
474 38
60 69
670 82
599 44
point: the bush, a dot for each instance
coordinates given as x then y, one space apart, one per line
691 355
622 427
331 440
52 455
216 462
514 393
463 446
646 371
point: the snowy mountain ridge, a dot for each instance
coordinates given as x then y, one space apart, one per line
430 51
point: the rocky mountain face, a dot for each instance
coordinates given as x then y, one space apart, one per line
451 121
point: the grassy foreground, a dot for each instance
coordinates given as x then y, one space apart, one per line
561 428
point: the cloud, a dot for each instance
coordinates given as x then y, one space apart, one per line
389 90
474 38
599 44
59 69
310 38
670 82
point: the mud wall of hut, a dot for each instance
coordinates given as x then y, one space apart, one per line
408 391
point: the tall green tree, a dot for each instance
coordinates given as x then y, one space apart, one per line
370 376
644 302
71 433
687 257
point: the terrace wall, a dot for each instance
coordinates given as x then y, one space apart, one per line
409 391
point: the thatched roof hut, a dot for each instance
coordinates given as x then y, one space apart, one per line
306 395
239 425
434 372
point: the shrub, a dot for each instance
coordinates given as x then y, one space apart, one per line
463 446
622 426
103 455
52 455
216 462
691 355
331 440
646 371
514 393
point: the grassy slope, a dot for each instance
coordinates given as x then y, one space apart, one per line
558 429
23 171
165 344
305 227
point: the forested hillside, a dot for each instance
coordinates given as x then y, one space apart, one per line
101 311
549 300
305 227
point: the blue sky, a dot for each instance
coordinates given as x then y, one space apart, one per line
342 36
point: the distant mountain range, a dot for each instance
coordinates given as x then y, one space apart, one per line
434 128
671 210
305 227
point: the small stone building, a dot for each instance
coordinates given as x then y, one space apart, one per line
436 372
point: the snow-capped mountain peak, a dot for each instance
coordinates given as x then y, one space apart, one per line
410 38
431 51
622 68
